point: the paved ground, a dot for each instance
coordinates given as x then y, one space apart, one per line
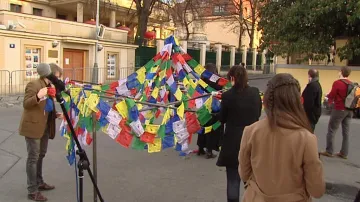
133 176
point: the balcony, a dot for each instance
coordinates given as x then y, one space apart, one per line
60 28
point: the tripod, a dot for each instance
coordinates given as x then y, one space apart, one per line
83 163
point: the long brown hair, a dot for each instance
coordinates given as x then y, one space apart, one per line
240 76
283 104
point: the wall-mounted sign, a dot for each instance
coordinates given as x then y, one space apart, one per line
67 61
12 45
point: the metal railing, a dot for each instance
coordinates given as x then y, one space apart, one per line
14 82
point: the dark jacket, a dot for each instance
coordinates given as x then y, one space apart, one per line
238 109
312 95
211 141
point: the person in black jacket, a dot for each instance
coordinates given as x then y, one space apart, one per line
240 107
312 95
210 141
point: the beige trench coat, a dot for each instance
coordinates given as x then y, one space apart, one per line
280 165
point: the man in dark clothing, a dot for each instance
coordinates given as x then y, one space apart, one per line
339 115
312 98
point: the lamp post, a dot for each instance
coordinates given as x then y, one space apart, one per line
95 74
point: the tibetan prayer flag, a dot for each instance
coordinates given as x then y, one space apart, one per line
193 84
203 115
149 65
193 63
155 146
181 110
208 129
222 81
202 83
150 128
92 101
124 138
178 94
208 103
216 125
199 69
122 109
137 144
168 141
166 116
207 74
155 92
147 137
161 132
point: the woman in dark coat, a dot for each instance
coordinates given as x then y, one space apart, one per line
210 141
240 107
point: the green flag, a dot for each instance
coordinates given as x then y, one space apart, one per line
129 103
210 89
203 115
161 132
137 144
149 65
216 125
192 63
105 87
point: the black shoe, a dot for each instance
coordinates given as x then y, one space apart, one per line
210 155
201 152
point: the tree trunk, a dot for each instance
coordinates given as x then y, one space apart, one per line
143 18
240 36
187 32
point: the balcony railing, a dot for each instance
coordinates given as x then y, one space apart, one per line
57 27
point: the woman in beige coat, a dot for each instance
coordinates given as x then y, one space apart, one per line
278 156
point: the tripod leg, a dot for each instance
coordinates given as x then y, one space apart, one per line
81 184
95 185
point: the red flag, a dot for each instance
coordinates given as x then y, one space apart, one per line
157 57
114 84
98 115
192 124
186 57
133 91
180 59
157 114
147 137
114 106
88 139
166 97
175 58
168 73
147 91
109 92
124 138
222 81
191 104
165 56
196 94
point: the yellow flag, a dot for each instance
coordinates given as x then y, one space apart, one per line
202 83
141 75
147 122
208 103
166 116
104 129
151 128
74 93
87 93
178 94
181 110
155 92
155 147
193 84
68 141
208 129
154 69
92 101
122 109
199 69
139 106
80 106
162 74
96 87
185 82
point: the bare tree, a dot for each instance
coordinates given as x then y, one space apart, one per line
143 9
186 13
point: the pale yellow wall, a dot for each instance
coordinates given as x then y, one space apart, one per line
2 53
13 59
340 43
27 7
327 76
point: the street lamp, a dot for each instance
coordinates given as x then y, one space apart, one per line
95 75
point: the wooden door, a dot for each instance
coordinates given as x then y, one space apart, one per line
73 63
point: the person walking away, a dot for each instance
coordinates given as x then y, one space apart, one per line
339 115
312 96
34 126
279 155
240 107
210 141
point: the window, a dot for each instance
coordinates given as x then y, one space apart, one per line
62 17
37 11
32 60
15 8
112 61
219 9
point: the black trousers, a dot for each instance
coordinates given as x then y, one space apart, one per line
233 184
357 199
